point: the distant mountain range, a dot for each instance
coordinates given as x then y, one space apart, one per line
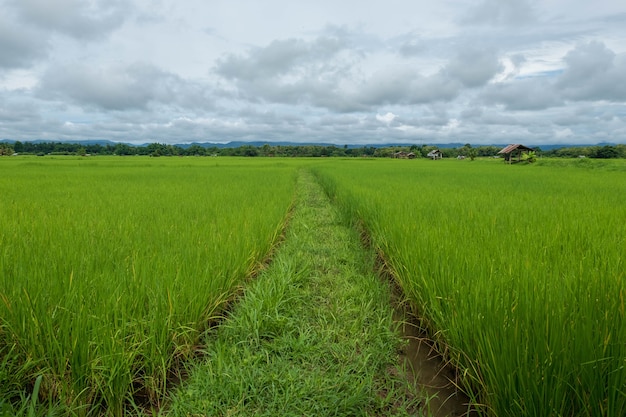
237 144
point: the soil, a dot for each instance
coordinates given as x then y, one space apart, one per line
428 368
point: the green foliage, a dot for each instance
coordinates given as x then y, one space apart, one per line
529 157
312 336
6 150
518 274
111 268
606 152
602 152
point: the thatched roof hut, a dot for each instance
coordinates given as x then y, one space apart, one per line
510 152
435 154
403 155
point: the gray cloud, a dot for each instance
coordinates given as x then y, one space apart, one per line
289 71
500 13
278 58
15 108
75 18
136 86
406 87
523 94
593 72
474 66
20 46
413 47
326 72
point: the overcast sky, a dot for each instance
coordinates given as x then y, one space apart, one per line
340 71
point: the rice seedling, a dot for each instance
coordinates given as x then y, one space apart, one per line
517 270
111 268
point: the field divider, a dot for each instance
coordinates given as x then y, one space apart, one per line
426 360
312 335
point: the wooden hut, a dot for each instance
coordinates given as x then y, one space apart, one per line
435 154
511 152
403 155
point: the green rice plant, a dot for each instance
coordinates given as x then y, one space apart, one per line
111 269
311 337
518 271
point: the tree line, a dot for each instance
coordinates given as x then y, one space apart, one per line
418 151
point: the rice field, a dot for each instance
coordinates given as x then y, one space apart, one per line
111 268
517 271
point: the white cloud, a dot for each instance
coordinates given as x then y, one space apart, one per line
563 133
386 118
480 72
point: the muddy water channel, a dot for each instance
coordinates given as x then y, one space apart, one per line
428 369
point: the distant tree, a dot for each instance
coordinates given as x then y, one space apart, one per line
95 149
195 150
339 151
266 150
65 148
315 151
6 149
369 151
449 152
28 147
173 150
463 150
383 152
157 149
606 152
426 149
247 150
123 149
487 150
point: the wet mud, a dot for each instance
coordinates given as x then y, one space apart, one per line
429 371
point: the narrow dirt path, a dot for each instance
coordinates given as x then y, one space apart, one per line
312 335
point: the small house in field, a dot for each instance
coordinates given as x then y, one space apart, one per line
403 155
435 154
513 153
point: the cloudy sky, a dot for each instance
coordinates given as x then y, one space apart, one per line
332 71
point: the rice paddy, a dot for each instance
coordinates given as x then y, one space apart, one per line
112 269
517 271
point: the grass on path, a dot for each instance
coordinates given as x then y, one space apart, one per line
311 336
